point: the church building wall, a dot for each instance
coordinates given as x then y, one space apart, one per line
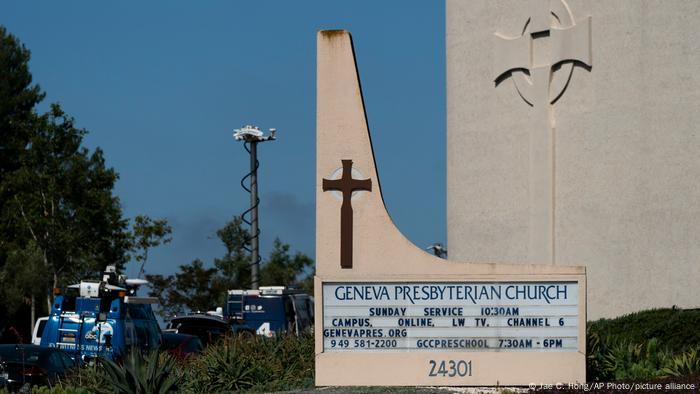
621 194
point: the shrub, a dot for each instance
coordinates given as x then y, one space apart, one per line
90 377
674 328
643 345
59 390
257 364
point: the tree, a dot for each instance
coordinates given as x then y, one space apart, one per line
194 288
23 269
197 288
18 97
149 233
283 269
56 198
234 267
232 271
62 201
159 286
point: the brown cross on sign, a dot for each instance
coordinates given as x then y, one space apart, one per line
346 185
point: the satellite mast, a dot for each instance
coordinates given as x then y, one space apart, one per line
251 136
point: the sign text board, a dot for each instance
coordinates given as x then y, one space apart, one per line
429 316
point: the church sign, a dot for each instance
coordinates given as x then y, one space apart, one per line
450 316
387 312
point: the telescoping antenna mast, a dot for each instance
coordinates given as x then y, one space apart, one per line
251 136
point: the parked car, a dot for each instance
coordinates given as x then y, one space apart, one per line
39 330
271 310
209 328
35 365
181 345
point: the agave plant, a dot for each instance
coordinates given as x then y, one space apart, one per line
222 367
683 364
139 374
623 360
255 364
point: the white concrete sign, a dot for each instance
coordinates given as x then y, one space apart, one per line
390 314
537 316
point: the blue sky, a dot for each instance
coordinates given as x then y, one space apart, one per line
161 85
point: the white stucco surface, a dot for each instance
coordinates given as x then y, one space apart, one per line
626 150
381 255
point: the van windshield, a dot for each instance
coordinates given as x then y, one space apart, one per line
145 325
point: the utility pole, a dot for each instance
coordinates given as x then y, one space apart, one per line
251 136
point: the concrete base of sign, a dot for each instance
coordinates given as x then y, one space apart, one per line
359 233
411 369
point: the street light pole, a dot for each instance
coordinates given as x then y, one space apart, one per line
251 136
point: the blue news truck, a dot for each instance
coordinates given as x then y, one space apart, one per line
271 310
102 319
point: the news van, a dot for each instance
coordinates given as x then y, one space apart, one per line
271 310
102 319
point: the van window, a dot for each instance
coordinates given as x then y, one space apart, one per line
290 316
129 333
68 304
147 334
40 330
140 311
303 317
146 330
310 306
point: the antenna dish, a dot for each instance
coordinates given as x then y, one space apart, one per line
136 282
